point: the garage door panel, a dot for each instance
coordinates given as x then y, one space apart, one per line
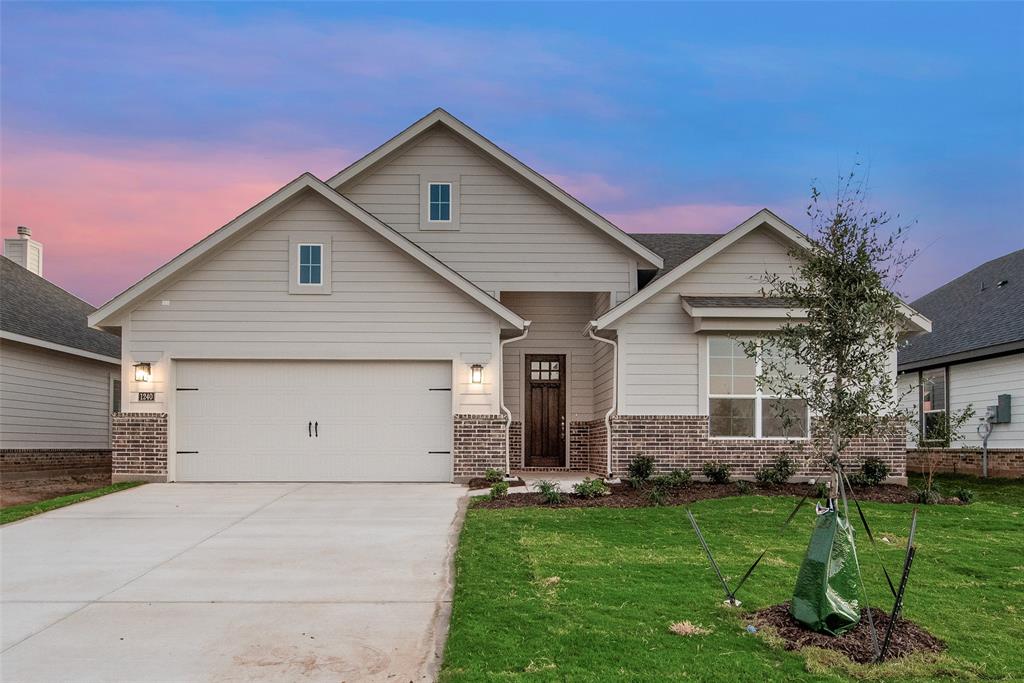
375 421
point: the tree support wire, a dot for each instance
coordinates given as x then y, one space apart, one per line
898 604
700 536
860 577
867 529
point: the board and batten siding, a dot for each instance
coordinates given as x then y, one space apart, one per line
235 304
978 384
510 237
53 400
659 351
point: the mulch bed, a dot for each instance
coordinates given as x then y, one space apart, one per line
625 496
907 637
481 483
45 489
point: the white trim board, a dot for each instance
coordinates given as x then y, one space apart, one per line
440 116
107 314
43 344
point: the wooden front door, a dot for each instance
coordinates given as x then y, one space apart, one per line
544 433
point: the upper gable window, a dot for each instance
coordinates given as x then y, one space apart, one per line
311 264
440 210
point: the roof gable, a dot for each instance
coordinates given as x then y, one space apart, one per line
440 117
108 314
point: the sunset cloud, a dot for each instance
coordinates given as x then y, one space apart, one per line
684 218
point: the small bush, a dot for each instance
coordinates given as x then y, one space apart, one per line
679 478
778 472
965 495
590 488
657 496
745 487
716 472
926 496
873 471
641 468
635 483
499 489
821 490
492 475
550 492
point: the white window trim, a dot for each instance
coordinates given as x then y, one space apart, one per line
298 264
758 397
431 183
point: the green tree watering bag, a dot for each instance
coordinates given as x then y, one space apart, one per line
828 590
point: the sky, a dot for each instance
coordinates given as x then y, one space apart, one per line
130 131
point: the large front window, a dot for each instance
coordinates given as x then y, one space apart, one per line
933 406
737 407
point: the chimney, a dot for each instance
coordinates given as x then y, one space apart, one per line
25 251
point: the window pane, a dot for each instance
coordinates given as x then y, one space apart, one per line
732 417
444 212
435 193
314 275
720 347
935 426
720 384
744 385
783 417
444 193
304 275
933 390
534 375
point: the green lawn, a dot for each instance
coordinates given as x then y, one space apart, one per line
16 512
625 575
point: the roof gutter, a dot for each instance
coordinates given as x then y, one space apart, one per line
615 392
501 392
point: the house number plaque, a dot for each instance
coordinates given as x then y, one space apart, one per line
147 396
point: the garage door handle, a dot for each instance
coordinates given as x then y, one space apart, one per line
310 428
316 429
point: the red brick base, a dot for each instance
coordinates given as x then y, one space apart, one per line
139 446
678 442
22 468
1002 462
478 445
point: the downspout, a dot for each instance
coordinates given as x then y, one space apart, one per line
615 391
501 392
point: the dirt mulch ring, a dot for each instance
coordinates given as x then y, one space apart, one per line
907 637
46 489
481 483
625 496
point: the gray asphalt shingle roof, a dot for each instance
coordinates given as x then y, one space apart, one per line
973 312
34 307
737 301
674 248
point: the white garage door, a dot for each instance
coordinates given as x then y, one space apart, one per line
313 421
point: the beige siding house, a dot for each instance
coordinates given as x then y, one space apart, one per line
434 310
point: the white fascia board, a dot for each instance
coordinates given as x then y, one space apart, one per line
743 312
71 350
649 257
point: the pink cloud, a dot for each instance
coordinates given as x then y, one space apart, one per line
109 212
588 187
707 218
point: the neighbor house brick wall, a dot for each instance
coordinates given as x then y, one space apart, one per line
139 445
1002 462
677 442
478 444
30 467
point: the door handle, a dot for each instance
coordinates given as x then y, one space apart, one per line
310 428
316 429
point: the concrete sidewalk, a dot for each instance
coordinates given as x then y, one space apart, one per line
186 582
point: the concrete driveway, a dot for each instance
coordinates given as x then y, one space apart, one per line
225 582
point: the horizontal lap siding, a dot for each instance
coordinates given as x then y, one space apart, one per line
511 236
659 350
53 400
384 304
979 384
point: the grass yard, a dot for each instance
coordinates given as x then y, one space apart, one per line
16 512
588 594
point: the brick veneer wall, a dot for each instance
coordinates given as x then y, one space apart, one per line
1002 462
579 445
478 444
677 442
515 444
30 467
139 445
598 451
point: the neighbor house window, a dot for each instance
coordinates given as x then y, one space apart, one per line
737 407
933 405
311 264
440 202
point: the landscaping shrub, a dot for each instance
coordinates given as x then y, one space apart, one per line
550 492
492 475
679 478
641 468
926 496
657 496
873 471
716 472
590 488
965 494
745 487
499 489
778 472
821 490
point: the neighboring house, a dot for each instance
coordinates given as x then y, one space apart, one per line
59 379
435 309
974 355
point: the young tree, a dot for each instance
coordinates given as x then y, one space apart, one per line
839 359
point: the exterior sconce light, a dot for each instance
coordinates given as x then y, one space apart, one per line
143 372
476 373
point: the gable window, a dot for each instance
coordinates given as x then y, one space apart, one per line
738 408
311 264
933 406
440 209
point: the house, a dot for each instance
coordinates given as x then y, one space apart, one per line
59 379
974 356
437 309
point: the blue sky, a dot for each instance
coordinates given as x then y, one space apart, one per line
131 130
